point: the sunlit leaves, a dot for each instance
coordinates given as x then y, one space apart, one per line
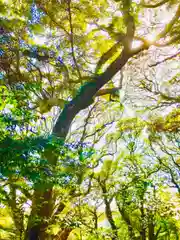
171 123
44 47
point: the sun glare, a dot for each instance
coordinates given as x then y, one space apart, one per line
151 37
136 44
39 40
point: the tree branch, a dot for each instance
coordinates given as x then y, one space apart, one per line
129 22
52 18
106 56
105 91
166 59
163 33
169 25
158 231
146 5
72 39
167 43
125 39
108 210
84 97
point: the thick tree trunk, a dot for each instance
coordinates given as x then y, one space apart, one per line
41 211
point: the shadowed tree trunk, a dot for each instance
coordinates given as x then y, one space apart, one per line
108 211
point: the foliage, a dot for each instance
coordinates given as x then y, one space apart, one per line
89 120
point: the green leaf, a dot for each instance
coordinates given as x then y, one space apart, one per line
37 28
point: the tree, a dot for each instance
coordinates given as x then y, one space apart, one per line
133 193
71 82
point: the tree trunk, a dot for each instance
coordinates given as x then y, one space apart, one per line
109 212
128 222
17 212
41 211
143 229
143 216
151 234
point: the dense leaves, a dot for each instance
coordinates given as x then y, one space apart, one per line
89 120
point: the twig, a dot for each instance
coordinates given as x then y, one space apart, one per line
105 91
86 123
166 59
72 39
52 19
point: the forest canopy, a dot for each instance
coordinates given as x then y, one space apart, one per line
89 120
